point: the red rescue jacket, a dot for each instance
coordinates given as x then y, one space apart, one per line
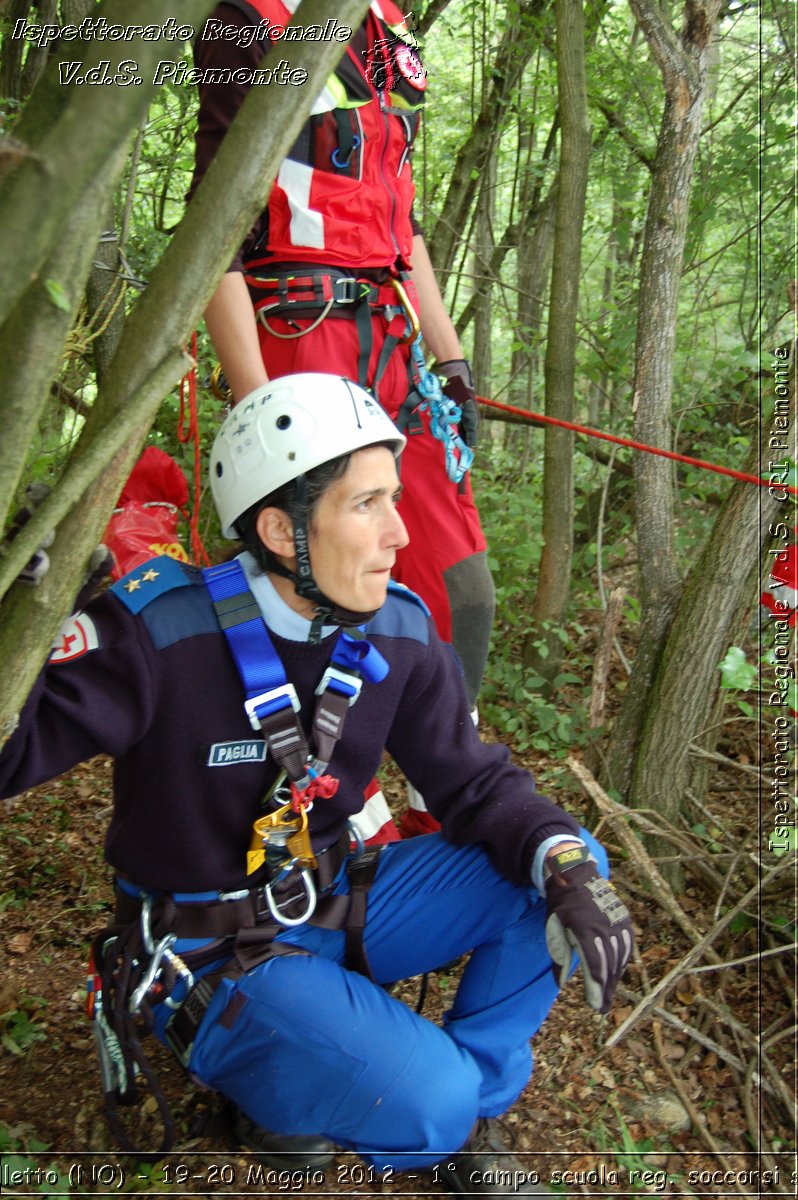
343 195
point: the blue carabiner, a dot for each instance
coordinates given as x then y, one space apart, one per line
343 163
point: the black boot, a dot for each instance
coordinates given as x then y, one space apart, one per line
486 1167
280 1151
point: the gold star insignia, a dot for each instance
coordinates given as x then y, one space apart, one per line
149 575
132 585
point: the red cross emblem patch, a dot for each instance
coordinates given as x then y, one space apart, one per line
78 635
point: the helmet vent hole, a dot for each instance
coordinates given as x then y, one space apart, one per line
219 470
291 455
283 422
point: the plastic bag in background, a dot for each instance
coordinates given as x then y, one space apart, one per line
144 524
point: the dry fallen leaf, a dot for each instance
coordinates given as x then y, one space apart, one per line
20 943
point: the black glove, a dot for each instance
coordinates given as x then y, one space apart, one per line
38 565
100 565
459 386
586 914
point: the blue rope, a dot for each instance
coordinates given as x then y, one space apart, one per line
444 417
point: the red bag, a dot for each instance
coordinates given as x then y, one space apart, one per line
145 523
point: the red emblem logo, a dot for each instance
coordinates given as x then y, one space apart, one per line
77 637
409 66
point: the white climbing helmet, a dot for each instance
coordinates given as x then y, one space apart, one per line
288 427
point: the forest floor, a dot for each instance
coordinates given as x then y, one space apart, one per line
693 1099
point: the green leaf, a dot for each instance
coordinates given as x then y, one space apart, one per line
736 671
57 294
783 839
10 1045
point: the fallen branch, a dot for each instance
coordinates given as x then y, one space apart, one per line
618 815
695 1116
701 948
713 756
737 962
752 1114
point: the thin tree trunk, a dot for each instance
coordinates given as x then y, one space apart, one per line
533 259
512 54
683 62
543 649
483 247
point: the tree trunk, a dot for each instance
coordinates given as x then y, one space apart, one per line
483 248
104 296
150 358
683 63
685 689
32 339
533 257
543 648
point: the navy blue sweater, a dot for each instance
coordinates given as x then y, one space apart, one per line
160 693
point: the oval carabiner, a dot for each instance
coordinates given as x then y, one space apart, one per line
343 163
152 972
413 322
310 892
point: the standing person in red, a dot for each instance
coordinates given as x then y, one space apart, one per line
330 278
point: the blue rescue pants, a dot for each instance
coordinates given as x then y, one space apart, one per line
303 1045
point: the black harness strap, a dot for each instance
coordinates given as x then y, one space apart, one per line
362 872
120 961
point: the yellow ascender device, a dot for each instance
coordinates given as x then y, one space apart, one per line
287 833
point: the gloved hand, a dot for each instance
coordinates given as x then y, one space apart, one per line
39 563
459 386
586 914
100 564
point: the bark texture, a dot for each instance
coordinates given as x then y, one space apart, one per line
544 649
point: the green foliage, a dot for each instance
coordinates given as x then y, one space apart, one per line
710 834
57 295
635 1166
513 699
16 1144
21 1025
737 673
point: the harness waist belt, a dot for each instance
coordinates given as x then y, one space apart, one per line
273 289
224 918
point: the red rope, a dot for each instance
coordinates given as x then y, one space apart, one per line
191 433
621 441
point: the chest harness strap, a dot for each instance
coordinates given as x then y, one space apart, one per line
281 838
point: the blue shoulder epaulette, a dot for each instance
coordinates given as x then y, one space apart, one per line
152 579
404 614
404 593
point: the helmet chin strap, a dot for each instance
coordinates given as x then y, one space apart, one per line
327 611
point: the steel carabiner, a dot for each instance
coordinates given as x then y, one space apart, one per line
310 892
